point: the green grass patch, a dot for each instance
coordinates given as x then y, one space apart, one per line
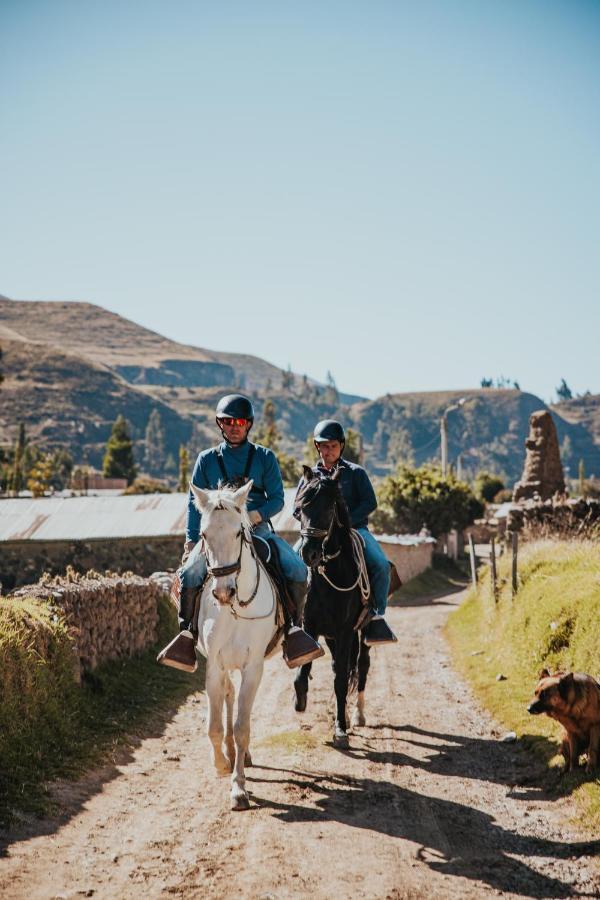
49 725
291 741
444 576
553 622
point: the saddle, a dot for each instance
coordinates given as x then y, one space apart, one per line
366 613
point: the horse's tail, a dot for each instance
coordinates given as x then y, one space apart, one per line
353 673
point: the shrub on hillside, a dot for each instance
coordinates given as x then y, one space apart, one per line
414 498
487 486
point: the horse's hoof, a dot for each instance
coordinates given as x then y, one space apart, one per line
247 759
341 740
239 802
301 697
224 769
358 719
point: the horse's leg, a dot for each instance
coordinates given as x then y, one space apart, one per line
364 662
301 679
215 691
251 676
340 684
301 686
229 741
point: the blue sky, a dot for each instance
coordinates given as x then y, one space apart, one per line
407 194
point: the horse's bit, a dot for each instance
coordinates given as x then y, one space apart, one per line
219 571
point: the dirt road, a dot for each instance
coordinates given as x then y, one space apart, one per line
426 803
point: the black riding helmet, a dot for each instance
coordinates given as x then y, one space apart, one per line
235 405
329 430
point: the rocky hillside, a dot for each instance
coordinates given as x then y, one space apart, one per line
71 368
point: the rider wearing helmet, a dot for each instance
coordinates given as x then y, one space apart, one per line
358 493
235 461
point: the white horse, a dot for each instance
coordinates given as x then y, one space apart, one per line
237 620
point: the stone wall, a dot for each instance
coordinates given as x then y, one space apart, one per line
24 562
107 617
409 559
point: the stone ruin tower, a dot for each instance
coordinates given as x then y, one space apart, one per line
543 471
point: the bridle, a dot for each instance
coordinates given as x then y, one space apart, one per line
324 534
219 571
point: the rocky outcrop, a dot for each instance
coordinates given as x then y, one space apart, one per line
543 473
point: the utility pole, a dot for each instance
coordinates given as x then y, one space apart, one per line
444 433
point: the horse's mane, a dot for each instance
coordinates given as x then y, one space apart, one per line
310 490
222 498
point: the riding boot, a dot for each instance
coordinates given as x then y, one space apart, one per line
299 647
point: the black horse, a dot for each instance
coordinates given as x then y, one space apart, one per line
334 602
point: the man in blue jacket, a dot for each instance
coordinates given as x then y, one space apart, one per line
235 461
359 496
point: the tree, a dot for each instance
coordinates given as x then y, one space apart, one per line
487 485
62 466
563 391
154 440
415 497
581 478
184 470
118 459
18 475
1 375
40 476
331 392
287 379
353 447
266 432
487 382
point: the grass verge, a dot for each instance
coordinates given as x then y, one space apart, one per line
444 576
551 622
51 727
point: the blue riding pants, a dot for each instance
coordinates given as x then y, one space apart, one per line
193 572
378 568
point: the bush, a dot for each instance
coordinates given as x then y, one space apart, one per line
414 498
143 485
487 485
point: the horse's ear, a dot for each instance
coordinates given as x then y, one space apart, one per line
201 498
240 497
308 473
336 474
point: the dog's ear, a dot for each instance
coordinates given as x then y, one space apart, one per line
544 674
565 684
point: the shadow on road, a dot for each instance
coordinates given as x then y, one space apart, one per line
451 838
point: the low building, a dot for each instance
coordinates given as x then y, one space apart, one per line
140 533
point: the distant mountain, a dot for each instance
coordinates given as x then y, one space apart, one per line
71 368
489 430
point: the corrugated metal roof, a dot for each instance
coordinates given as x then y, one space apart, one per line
86 518
137 515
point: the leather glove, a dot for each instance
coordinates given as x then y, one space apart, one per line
255 517
187 549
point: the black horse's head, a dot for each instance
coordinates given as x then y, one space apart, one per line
322 508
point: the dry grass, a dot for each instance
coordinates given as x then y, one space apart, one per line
551 622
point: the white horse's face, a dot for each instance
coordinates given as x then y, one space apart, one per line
224 517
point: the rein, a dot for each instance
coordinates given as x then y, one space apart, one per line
324 534
219 571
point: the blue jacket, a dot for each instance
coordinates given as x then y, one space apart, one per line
266 495
357 491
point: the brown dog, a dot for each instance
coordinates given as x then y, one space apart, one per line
573 699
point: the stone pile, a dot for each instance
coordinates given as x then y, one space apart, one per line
555 517
107 616
542 476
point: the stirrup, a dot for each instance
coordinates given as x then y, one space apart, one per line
300 648
180 653
378 632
